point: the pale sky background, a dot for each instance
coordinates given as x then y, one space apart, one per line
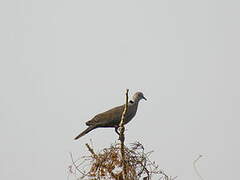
63 61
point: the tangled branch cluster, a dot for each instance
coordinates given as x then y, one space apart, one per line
108 164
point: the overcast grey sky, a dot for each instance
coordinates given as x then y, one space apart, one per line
62 61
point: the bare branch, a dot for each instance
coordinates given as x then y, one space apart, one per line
122 137
195 167
74 164
90 150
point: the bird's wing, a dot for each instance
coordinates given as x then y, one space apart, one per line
110 117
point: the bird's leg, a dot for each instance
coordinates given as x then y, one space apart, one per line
116 130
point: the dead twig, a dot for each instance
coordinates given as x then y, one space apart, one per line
75 165
90 150
122 137
195 167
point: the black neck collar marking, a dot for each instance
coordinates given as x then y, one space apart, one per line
131 102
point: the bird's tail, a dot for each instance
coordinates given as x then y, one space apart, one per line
85 132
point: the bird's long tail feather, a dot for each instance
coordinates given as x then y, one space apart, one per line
90 128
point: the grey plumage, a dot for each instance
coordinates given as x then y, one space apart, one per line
112 117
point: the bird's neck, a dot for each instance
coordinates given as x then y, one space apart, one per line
132 102
133 105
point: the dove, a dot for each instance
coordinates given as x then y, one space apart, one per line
112 117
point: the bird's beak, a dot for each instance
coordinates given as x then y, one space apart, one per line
144 98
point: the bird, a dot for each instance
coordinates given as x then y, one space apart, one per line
112 117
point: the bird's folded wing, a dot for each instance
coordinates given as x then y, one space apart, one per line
108 118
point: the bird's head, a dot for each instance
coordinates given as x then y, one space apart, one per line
138 96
